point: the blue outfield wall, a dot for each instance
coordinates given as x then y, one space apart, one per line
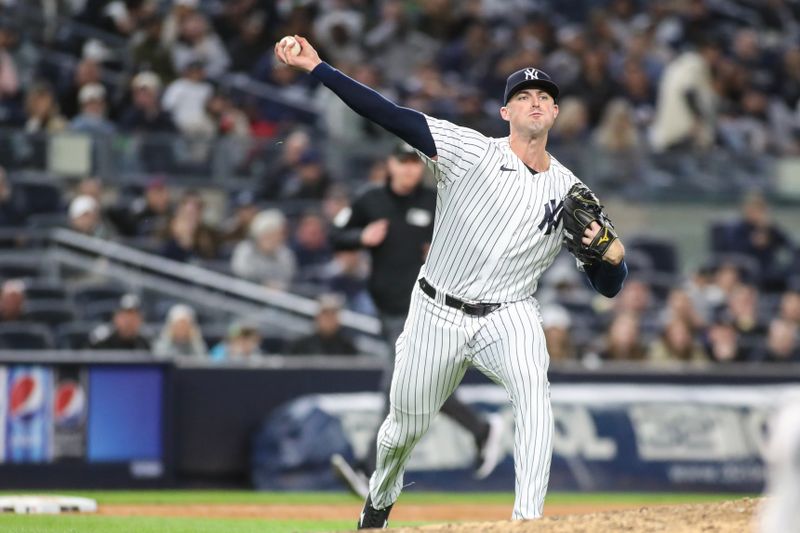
219 410
606 437
274 423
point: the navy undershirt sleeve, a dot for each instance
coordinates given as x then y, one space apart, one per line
408 124
607 279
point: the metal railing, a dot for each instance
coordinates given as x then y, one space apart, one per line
194 284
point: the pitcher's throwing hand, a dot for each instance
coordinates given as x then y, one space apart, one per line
306 60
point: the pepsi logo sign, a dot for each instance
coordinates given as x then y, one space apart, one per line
69 402
26 395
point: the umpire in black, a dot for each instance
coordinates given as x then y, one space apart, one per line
395 222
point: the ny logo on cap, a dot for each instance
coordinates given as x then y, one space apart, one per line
531 74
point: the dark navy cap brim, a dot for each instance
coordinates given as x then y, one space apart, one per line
547 86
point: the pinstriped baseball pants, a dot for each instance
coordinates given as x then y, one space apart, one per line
436 347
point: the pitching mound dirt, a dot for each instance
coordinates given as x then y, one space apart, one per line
726 517
405 512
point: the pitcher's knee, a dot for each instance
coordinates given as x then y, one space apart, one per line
402 431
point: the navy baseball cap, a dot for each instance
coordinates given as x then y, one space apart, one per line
530 77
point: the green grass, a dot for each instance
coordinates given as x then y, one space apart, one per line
113 524
147 497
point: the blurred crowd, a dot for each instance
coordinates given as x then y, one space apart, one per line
741 305
656 77
661 75
33 316
716 316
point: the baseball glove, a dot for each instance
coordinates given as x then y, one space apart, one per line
581 208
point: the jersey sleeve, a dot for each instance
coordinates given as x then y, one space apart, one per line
458 149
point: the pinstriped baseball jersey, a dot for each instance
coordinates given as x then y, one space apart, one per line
497 224
497 229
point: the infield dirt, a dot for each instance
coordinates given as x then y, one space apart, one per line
725 517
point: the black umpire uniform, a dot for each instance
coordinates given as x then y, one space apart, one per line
396 262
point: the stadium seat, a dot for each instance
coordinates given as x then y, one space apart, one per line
214 334
48 220
273 345
25 336
96 292
41 197
580 312
45 290
748 266
145 244
100 310
74 335
217 265
660 283
638 261
50 312
662 252
19 268
718 236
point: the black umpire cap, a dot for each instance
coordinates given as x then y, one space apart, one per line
404 151
529 77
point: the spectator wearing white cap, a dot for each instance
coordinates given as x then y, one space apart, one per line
180 336
12 301
264 257
85 217
146 114
92 118
125 330
86 72
328 337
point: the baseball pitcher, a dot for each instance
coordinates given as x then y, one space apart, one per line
504 208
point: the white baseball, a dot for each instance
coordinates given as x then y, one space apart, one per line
290 45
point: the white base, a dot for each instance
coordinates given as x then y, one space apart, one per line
50 504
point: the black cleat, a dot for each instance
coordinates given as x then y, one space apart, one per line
373 518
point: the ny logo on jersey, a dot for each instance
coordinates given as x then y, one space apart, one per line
531 74
552 216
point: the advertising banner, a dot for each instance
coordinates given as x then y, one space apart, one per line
3 412
70 406
606 437
29 425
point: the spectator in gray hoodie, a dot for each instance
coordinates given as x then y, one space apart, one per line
264 257
180 336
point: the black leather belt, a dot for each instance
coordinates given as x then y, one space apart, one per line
479 309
